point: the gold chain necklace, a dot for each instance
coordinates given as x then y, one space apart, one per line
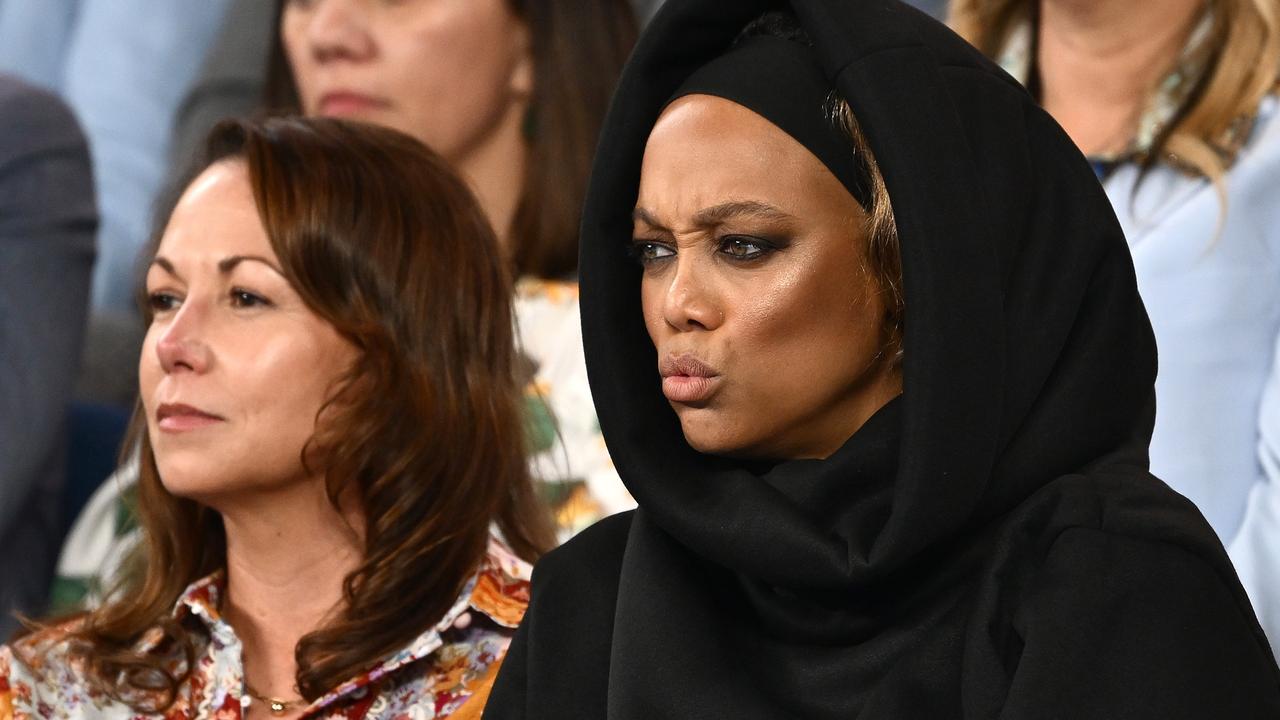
276 706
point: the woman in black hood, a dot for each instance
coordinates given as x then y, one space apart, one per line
810 543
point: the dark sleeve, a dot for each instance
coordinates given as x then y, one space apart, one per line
507 700
1117 627
558 663
47 225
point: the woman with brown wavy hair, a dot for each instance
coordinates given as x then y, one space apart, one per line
511 93
330 430
1176 105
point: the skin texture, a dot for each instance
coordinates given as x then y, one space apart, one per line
235 342
772 294
1099 60
241 345
455 74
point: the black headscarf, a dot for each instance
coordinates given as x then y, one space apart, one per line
988 545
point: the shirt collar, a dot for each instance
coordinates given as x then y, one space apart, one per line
202 598
499 590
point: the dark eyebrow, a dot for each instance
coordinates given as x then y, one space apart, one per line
227 265
717 214
645 217
166 266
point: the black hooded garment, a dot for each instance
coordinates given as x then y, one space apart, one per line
988 545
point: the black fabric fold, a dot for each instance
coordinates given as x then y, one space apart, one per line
781 81
990 545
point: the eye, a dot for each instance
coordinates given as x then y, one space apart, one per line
160 301
244 299
745 247
647 252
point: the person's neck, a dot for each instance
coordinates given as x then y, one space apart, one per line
1099 60
287 555
494 168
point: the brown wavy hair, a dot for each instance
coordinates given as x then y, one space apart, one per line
425 430
578 51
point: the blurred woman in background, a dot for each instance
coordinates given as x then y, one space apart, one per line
322 293
512 93
1175 105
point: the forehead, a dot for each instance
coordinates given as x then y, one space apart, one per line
705 150
216 217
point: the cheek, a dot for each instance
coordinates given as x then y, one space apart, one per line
452 76
652 293
772 315
287 380
810 329
435 96
150 373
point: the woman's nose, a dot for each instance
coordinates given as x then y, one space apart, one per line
691 303
182 346
337 31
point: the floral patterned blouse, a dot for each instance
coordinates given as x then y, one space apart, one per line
445 672
567 451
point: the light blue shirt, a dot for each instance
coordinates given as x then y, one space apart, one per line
123 66
1256 548
1214 300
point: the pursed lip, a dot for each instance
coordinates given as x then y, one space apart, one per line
686 379
179 417
349 102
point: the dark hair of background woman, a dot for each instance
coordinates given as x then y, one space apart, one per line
579 49
422 290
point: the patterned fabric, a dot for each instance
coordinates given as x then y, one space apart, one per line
97 545
433 676
567 451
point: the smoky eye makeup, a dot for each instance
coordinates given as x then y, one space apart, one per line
648 252
746 248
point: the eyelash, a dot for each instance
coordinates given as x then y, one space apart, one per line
245 299
763 247
642 250
162 301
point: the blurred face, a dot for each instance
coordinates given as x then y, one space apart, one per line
234 367
443 71
755 294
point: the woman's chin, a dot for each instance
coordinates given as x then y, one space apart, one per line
710 435
196 476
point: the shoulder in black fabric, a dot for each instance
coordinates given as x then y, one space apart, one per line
895 578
